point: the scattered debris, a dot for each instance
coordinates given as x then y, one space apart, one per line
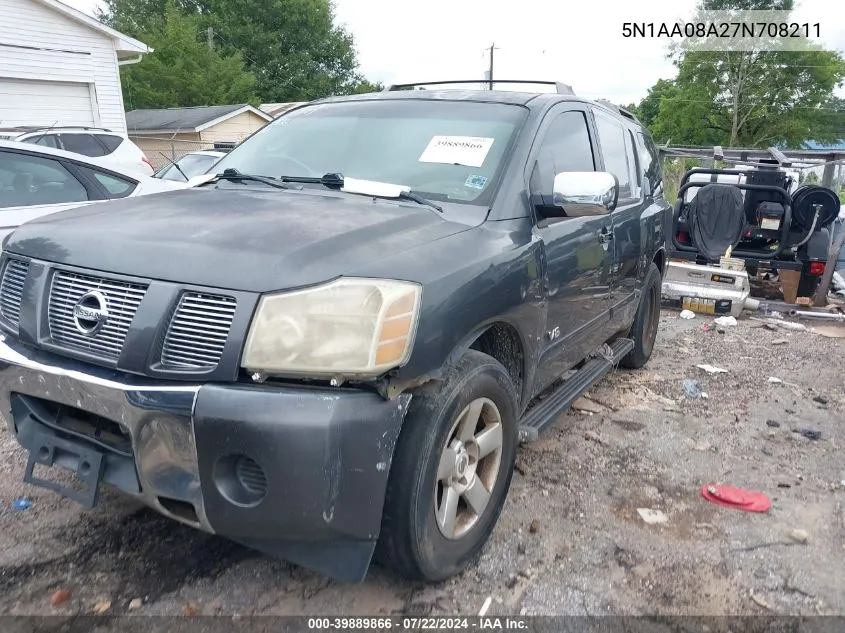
820 399
586 405
731 497
135 604
594 436
725 321
485 606
809 433
101 607
692 389
510 583
190 610
775 381
520 468
760 601
780 341
652 517
534 527
628 425
773 423
711 369
830 331
687 314
21 504
799 536
60 596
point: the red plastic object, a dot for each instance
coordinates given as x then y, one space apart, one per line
737 498
817 268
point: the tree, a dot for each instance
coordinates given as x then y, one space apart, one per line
293 47
184 71
749 97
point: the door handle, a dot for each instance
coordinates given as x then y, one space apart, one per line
605 236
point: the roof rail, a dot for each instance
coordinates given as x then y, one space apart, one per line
626 113
68 127
561 88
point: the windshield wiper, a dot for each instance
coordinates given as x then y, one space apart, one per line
364 187
235 175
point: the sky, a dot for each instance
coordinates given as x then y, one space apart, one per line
579 43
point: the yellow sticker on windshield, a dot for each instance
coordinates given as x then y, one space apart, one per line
457 150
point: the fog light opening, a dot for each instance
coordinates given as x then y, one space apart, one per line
240 480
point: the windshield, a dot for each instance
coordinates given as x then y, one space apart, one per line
445 150
191 164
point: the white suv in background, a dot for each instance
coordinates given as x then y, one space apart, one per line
114 147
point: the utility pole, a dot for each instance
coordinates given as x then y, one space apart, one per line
209 34
492 48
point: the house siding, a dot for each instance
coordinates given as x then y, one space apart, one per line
233 130
39 44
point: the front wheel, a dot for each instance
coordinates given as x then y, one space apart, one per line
451 471
644 329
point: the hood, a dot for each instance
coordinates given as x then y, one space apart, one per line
236 237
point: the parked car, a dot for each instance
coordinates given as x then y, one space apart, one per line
321 364
120 151
190 165
38 181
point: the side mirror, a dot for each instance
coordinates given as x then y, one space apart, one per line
585 193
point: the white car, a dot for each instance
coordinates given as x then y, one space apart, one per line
190 165
121 152
38 181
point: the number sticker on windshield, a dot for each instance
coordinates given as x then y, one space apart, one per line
457 150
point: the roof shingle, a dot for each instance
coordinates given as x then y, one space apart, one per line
177 119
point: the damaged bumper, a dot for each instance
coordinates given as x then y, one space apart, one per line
297 473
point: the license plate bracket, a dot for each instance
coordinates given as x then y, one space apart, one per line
46 449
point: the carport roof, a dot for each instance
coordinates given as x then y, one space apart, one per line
194 119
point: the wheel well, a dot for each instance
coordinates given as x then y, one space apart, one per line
660 260
502 342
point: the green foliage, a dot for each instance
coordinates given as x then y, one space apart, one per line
755 98
184 71
293 49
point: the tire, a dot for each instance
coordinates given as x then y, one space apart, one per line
644 329
412 542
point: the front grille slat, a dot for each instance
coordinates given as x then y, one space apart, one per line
11 290
122 301
198 331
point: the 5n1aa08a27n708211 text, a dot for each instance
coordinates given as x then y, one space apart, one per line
721 29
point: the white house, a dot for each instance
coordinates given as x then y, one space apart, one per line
59 66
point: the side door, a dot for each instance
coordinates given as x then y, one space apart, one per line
577 259
620 158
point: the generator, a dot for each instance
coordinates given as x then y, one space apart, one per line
705 289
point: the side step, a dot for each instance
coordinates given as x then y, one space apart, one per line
545 413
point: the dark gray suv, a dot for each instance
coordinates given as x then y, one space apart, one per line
332 348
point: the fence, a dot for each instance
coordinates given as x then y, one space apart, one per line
161 151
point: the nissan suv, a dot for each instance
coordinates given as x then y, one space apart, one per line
331 350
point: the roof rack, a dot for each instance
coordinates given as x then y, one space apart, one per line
561 88
30 129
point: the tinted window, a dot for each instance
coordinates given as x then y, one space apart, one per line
84 144
567 144
445 150
117 187
111 141
614 149
633 161
32 180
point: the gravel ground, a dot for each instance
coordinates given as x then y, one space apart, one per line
570 540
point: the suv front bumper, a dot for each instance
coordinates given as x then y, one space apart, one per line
298 473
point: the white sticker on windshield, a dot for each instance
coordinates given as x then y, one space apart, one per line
457 150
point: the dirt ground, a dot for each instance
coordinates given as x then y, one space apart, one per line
570 540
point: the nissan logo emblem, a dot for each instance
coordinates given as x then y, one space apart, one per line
91 313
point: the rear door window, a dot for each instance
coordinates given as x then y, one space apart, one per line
84 144
27 180
117 187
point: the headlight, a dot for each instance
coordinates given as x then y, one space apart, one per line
350 327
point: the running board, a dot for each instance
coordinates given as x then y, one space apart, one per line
546 413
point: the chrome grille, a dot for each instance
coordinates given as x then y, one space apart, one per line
11 290
122 300
198 331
